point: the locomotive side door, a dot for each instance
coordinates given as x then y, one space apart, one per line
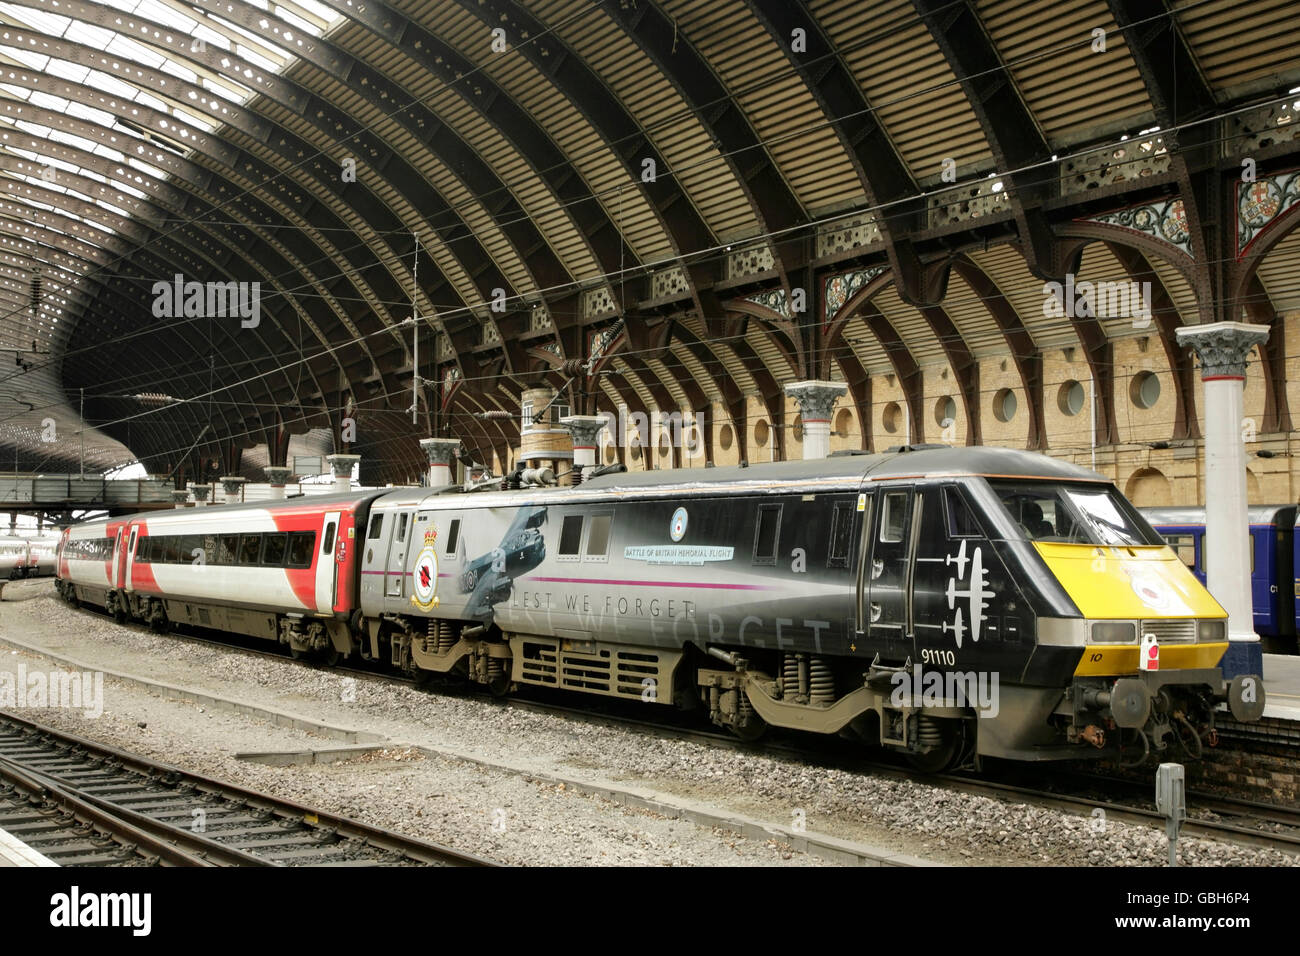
395 568
888 574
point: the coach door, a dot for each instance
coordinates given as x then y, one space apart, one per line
119 577
128 560
888 574
395 569
326 565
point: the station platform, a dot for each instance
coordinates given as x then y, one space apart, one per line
14 852
1282 686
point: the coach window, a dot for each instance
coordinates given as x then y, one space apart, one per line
841 535
301 545
376 525
961 521
401 525
453 537
767 534
1185 547
142 550
571 536
192 549
228 550
893 517
273 550
250 545
598 536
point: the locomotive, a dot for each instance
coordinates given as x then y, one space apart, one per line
948 603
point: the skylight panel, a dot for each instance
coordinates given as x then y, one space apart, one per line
67 71
28 58
89 34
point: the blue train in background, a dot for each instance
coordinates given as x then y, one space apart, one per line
1273 563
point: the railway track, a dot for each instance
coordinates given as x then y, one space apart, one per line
1233 820
83 803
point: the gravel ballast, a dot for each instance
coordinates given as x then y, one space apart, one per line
501 813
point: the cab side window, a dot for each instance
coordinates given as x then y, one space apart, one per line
767 534
842 523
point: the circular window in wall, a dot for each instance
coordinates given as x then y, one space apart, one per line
1069 397
843 423
761 433
726 437
892 417
611 455
663 446
1004 405
798 428
1144 390
635 451
945 411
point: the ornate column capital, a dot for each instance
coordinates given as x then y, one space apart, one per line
440 451
584 428
341 465
277 475
180 497
231 484
1222 347
816 399
201 493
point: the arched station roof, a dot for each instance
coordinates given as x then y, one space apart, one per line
702 201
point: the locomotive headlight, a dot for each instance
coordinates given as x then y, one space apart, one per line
1211 631
1113 632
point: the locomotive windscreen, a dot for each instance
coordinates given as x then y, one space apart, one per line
1074 513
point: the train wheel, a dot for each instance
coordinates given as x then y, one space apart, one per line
752 730
331 656
945 739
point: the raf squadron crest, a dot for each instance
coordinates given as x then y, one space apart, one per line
425 573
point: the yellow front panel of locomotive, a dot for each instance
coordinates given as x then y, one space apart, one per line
1100 660
1128 583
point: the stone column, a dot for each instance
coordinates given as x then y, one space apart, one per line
277 475
180 497
816 401
1222 348
341 467
233 486
441 453
201 494
584 429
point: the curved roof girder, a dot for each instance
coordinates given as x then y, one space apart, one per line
1014 136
